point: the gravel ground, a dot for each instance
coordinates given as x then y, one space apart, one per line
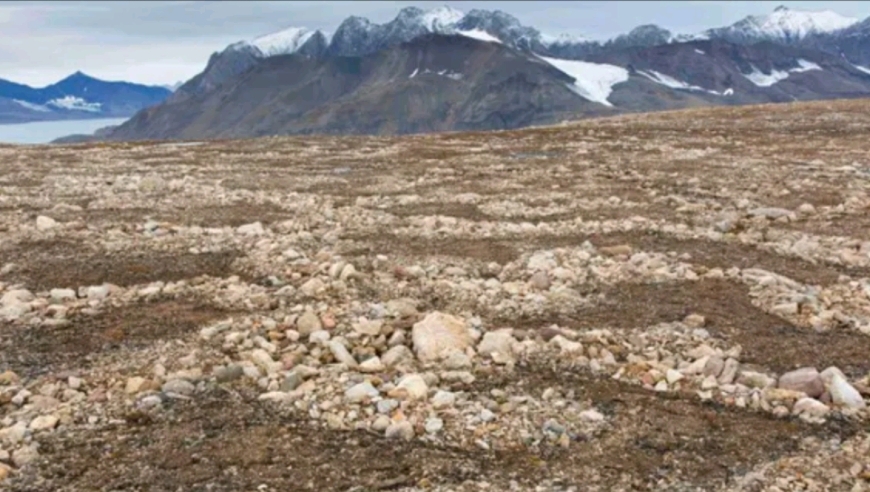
671 301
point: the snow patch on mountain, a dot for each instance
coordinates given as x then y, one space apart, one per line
787 24
805 66
32 106
480 35
283 42
592 81
563 39
863 69
762 79
74 103
441 19
668 81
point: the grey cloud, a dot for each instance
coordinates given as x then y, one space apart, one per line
45 40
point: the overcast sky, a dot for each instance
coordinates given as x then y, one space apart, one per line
164 42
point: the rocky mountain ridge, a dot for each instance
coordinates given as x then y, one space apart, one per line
370 78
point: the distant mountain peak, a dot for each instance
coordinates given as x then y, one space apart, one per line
78 74
783 24
441 18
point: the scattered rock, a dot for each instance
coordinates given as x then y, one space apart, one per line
44 223
179 387
43 422
843 394
361 392
400 430
438 334
805 379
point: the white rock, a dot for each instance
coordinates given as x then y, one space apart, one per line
414 386
372 364
254 229
696 367
97 292
312 287
457 359
264 361
339 351
291 254
709 383
566 346
770 212
179 387
16 296
433 425
43 422
400 430
828 374
368 327
843 394
308 323
44 223
381 423
443 399
497 343
24 455
134 385
729 372
811 407
347 272
672 376
360 392
13 434
397 355
319 337
438 334
591 415
14 311
60 295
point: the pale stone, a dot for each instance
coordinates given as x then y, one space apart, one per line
412 386
805 379
438 334
44 223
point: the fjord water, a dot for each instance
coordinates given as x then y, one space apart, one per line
42 132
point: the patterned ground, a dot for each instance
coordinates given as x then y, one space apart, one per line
620 251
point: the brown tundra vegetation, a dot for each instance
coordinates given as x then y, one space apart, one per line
669 301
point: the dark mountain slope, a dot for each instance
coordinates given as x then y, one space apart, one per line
433 83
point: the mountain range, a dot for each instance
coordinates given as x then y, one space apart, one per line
443 70
78 96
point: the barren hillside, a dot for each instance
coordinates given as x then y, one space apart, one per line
669 301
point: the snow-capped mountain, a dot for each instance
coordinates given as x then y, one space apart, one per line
782 25
446 70
77 96
357 36
292 40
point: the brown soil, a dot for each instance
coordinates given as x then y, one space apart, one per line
49 264
34 350
715 254
767 340
227 441
484 250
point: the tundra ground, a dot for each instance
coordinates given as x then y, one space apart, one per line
670 301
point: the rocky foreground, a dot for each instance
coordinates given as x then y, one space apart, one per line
672 301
